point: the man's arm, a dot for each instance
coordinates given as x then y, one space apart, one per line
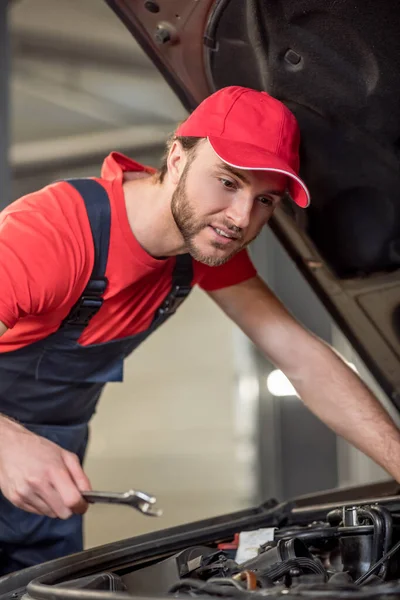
37 475
330 389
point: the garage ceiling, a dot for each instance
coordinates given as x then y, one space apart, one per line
80 84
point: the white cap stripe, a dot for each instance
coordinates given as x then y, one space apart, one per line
299 181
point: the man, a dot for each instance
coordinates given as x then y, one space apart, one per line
89 268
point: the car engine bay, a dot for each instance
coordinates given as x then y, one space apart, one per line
353 549
344 550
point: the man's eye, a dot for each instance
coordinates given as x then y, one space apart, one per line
266 201
227 183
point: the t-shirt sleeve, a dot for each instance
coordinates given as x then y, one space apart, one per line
39 264
238 269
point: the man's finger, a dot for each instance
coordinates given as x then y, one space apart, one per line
72 499
52 498
28 497
37 506
78 475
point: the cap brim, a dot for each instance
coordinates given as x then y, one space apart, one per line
249 157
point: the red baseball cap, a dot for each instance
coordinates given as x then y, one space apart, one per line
249 129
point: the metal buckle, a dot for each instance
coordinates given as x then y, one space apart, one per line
88 304
84 311
174 299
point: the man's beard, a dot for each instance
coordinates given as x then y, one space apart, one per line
189 226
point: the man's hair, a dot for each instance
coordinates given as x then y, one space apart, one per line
189 144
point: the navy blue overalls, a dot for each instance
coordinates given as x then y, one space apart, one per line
52 388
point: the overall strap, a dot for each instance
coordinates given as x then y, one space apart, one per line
98 209
181 285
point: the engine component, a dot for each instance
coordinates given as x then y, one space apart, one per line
350 548
274 561
351 552
161 576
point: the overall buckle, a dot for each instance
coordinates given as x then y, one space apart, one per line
174 299
88 304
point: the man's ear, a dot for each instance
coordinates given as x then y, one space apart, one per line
176 162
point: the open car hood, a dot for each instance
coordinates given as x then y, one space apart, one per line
336 66
319 546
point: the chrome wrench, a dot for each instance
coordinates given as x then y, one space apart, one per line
138 500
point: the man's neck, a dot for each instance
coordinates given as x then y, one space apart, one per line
148 206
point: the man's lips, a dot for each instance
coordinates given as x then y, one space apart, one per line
225 233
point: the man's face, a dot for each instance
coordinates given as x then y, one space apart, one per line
219 210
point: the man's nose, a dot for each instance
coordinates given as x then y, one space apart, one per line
239 211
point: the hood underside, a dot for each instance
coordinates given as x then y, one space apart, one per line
336 66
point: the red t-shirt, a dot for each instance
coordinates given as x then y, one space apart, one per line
47 255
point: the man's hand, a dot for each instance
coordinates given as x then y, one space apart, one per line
39 476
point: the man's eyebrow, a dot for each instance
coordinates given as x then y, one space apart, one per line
280 193
233 171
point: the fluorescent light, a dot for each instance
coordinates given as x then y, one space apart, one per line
279 385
